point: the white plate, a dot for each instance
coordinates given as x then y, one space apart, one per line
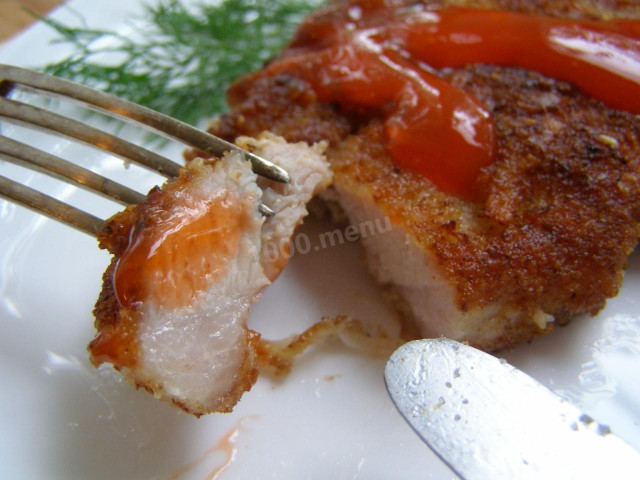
331 418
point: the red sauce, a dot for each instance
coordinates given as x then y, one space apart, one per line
601 58
117 343
370 58
186 249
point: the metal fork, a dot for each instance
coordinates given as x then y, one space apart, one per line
34 159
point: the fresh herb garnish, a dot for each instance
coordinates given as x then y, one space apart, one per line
187 57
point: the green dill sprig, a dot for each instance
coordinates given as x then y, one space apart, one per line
185 58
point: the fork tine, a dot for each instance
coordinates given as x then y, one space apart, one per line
31 116
173 128
29 157
266 211
53 208
34 117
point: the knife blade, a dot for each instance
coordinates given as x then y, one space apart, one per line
488 420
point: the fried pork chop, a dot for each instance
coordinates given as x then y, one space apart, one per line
188 263
555 215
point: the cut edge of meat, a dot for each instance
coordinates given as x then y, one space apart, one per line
418 288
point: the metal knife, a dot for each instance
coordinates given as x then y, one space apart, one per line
488 420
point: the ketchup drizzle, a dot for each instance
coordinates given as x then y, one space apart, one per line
369 57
